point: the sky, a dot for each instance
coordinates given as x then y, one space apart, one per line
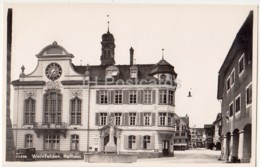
195 38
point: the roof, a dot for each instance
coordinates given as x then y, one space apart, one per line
186 120
124 71
219 118
243 40
163 67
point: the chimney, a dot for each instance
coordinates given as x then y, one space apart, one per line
131 56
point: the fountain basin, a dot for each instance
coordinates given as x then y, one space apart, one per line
110 158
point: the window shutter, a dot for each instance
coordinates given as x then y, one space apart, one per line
153 119
153 96
123 119
108 118
140 96
141 118
152 143
137 118
97 119
97 97
125 142
159 99
111 96
126 99
141 142
137 142
126 119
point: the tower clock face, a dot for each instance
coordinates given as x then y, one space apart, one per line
53 71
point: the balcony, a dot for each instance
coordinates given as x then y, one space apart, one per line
50 128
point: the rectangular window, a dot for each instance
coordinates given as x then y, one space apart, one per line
28 141
238 103
146 142
147 96
131 141
163 96
103 96
182 134
52 142
118 118
249 94
132 118
147 118
75 111
177 134
171 100
231 109
103 119
133 73
118 96
232 78
132 96
29 112
241 64
228 84
170 119
162 119
74 142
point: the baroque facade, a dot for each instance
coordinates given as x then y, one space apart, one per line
64 108
235 92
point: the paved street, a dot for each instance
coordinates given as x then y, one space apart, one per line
199 155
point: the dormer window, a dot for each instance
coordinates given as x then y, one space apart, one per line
163 77
112 71
133 72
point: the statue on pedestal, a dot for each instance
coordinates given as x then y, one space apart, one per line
111 146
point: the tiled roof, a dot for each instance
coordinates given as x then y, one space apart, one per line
124 71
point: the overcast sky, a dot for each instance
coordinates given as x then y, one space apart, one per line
196 40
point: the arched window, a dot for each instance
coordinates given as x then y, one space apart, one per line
75 111
28 141
74 142
146 142
29 111
131 141
52 107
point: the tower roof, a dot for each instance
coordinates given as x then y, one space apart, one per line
163 67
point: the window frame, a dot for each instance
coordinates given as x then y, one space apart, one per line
147 97
76 139
103 96
248 87
103 121
132 95
163 96
238 109
77 113
241 58
51 143
163 118
58 106
132 118
232 78
26 143
228 84
31 111
118 115
149 120
117 97
131 141
146 141
231 114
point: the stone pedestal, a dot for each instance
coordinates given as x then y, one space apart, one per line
110 147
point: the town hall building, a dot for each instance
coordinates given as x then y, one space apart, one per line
65 108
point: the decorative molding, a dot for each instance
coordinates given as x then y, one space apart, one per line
30 93
76 93
53 85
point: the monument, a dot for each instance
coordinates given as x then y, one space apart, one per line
111 146
110 153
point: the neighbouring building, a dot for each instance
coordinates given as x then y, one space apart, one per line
235 92
217 137
182 134
65 108
208 133
196 137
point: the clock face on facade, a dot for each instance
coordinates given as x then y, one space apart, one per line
53 71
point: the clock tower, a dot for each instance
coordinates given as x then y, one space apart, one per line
108 49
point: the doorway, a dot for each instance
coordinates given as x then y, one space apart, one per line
165 148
